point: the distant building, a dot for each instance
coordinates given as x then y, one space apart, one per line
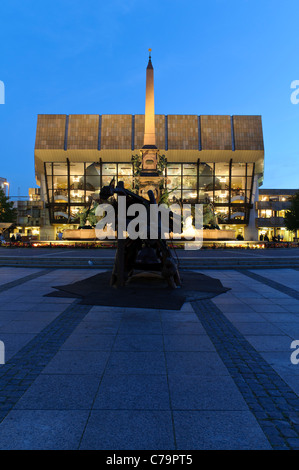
271 208
31 215
4 185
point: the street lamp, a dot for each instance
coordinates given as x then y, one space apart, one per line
7 184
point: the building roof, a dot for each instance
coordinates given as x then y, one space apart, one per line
88 137
277 192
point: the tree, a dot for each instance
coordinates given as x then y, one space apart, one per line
7 212
292 215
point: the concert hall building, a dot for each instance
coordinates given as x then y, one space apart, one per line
211 159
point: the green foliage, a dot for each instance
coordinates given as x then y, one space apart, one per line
7 212
292 215
92 218
137 166
88 216
134 189
83 217
164 196
208 215
137 163
161 165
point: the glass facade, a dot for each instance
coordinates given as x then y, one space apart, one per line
228 186
70 184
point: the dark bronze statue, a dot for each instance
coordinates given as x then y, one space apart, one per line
140 254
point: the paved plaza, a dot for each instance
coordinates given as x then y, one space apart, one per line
216 374
74 252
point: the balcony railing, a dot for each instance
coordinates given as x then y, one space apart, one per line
270 222
273 205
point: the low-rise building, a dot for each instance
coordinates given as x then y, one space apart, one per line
271 209
31 215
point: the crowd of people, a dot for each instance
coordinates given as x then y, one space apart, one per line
275 238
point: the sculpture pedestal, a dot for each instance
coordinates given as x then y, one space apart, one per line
212 234
80 234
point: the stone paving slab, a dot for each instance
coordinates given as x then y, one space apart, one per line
259 328
113 378
138 342
88 342
140 362
60 392
287 277
218 430
188 343
8 275
135 391
42 429
77 362
270 343
205 392
136 429
13 343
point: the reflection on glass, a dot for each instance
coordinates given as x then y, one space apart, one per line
222 214
49 168
74 212
189 195
205 197
238 169
174 169
205 183
189 182
59 196
76 182
175 196
77 196
109 168
190 169
205 170
222 182
181 180
125 169
107 179
173 182
60 213
127 180
60 184
238 213
222 169
77 169
93 183
221 196
238 183
60 169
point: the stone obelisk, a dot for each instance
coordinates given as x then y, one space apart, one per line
149 176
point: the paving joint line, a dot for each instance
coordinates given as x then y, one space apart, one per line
269 282
98 388
273 403
168 385
20 371
22 280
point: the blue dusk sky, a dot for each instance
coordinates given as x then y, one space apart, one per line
89 57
